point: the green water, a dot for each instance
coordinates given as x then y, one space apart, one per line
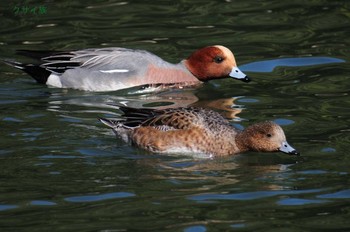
61 170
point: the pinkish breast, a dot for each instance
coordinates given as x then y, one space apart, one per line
168 75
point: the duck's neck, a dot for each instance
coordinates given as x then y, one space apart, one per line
241 142
227 144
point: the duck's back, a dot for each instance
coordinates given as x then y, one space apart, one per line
185 129
109 69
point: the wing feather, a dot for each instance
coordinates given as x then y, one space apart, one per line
179 118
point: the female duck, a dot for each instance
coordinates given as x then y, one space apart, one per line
195 130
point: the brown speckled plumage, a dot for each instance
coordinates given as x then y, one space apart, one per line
194 130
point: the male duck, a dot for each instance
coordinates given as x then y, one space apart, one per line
108 69
195 130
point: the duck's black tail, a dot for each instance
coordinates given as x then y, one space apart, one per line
38 73
110 122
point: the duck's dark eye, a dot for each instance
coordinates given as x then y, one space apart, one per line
269 135
218 59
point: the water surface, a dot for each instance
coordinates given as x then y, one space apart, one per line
61 170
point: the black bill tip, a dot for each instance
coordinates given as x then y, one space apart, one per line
294 152
246 79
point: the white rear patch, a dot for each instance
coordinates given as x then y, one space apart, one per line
115 71
54 80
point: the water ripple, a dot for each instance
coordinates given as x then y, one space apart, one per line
99 197
7 207
298 201
343 194
250 195
43 203
270 65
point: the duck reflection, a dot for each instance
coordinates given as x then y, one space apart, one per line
210 174
101 103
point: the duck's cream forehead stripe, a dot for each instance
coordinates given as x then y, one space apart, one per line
225 50
228 53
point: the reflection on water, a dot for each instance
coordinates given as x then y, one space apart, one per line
270 65
62 169
214 173
92 103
